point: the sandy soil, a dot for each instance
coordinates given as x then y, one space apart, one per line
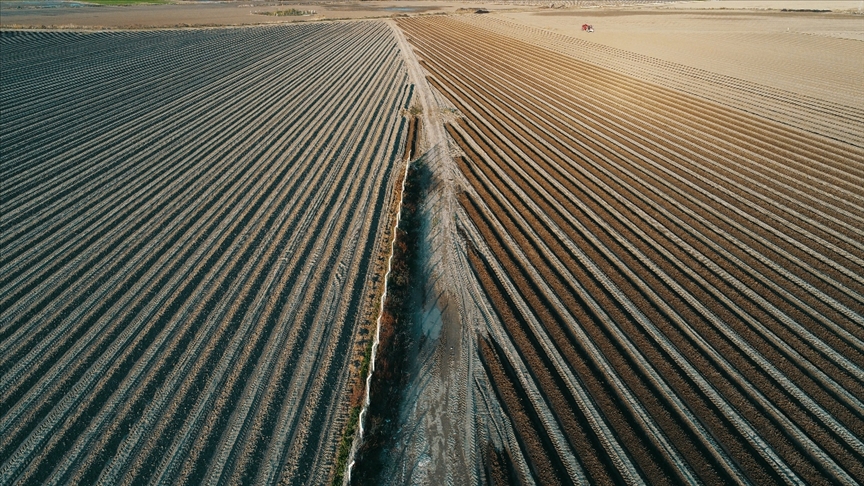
834 5
815 54
72 15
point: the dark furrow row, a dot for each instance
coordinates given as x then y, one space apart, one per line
218 84
620 283
853 388
303 107
758 128
187 302
668 295
782 242
782 291
652 398
564 173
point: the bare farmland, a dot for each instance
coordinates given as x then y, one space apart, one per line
189 226
677 283
624 260
752 67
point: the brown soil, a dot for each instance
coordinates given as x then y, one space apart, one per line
592 185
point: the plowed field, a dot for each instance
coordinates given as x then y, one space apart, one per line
799 79
679 284
189 225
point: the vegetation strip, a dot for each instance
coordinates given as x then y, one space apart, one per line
387 376
352 436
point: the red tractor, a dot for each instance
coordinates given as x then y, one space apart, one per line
587 28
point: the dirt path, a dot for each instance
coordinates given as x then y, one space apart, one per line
436 444
433 128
